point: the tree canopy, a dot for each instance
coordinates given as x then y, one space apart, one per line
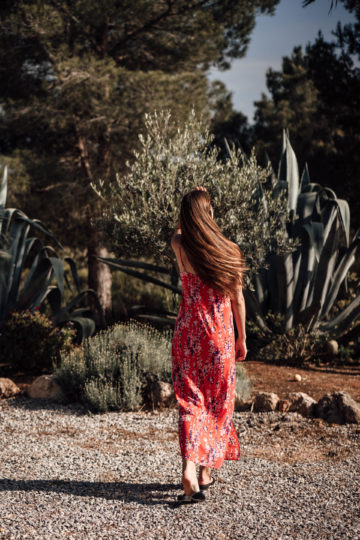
77 78
316 95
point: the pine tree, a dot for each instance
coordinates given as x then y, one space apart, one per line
77 78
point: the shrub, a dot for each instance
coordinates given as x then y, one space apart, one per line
295 347
113 369
29 341
31 272
143 203
243 383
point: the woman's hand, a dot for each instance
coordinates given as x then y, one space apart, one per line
240 349
200 188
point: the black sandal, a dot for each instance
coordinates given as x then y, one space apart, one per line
204 487
196 497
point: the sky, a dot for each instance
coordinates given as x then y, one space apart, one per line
275 37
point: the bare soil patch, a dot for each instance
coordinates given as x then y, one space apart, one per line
315 381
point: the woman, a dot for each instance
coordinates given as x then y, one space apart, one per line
203 347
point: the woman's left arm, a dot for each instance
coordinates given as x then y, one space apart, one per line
238 309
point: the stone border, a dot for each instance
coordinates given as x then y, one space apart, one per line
337 408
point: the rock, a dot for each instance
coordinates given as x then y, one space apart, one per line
283 405
301 403
8 388
241 404
44 387
265 402
161 394
297 377
332 347
338 408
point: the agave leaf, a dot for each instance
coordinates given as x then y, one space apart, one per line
298 265
142 276
344 213
157 319
55 300
85 327
228 149
272 177
5 267
326 265
254 310
311 252
282 162
18 251
305 205
305 178
292 176
74 274
315 232
38 225
58 268
312 186
34 265
286 283
6 219
3 187
135 264
340 274
87 292
275 295
344 319
37 286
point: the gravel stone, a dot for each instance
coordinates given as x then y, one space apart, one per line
66 473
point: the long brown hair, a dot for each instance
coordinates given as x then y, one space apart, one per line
216 260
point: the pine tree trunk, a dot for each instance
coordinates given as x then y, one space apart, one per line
99 274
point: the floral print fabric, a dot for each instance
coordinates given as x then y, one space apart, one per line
203 374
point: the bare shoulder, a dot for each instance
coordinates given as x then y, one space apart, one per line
176 241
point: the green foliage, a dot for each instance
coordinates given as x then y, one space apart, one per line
30 341
307 96
243 382
143 204
112 369
78 77
28 270
297 347
304 285
128 291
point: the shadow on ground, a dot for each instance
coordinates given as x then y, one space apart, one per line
31 404
146 493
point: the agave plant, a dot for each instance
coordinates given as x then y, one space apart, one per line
304 285
132 268
31 272
301 284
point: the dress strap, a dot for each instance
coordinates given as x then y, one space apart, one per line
182 262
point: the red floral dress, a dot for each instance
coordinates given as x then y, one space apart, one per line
203 374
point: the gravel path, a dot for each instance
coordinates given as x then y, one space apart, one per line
68 474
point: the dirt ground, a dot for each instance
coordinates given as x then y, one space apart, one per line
315 381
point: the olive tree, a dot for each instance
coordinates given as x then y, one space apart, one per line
143 203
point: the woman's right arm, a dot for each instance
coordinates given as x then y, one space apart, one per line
238 308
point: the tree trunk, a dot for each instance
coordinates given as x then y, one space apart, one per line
99 273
